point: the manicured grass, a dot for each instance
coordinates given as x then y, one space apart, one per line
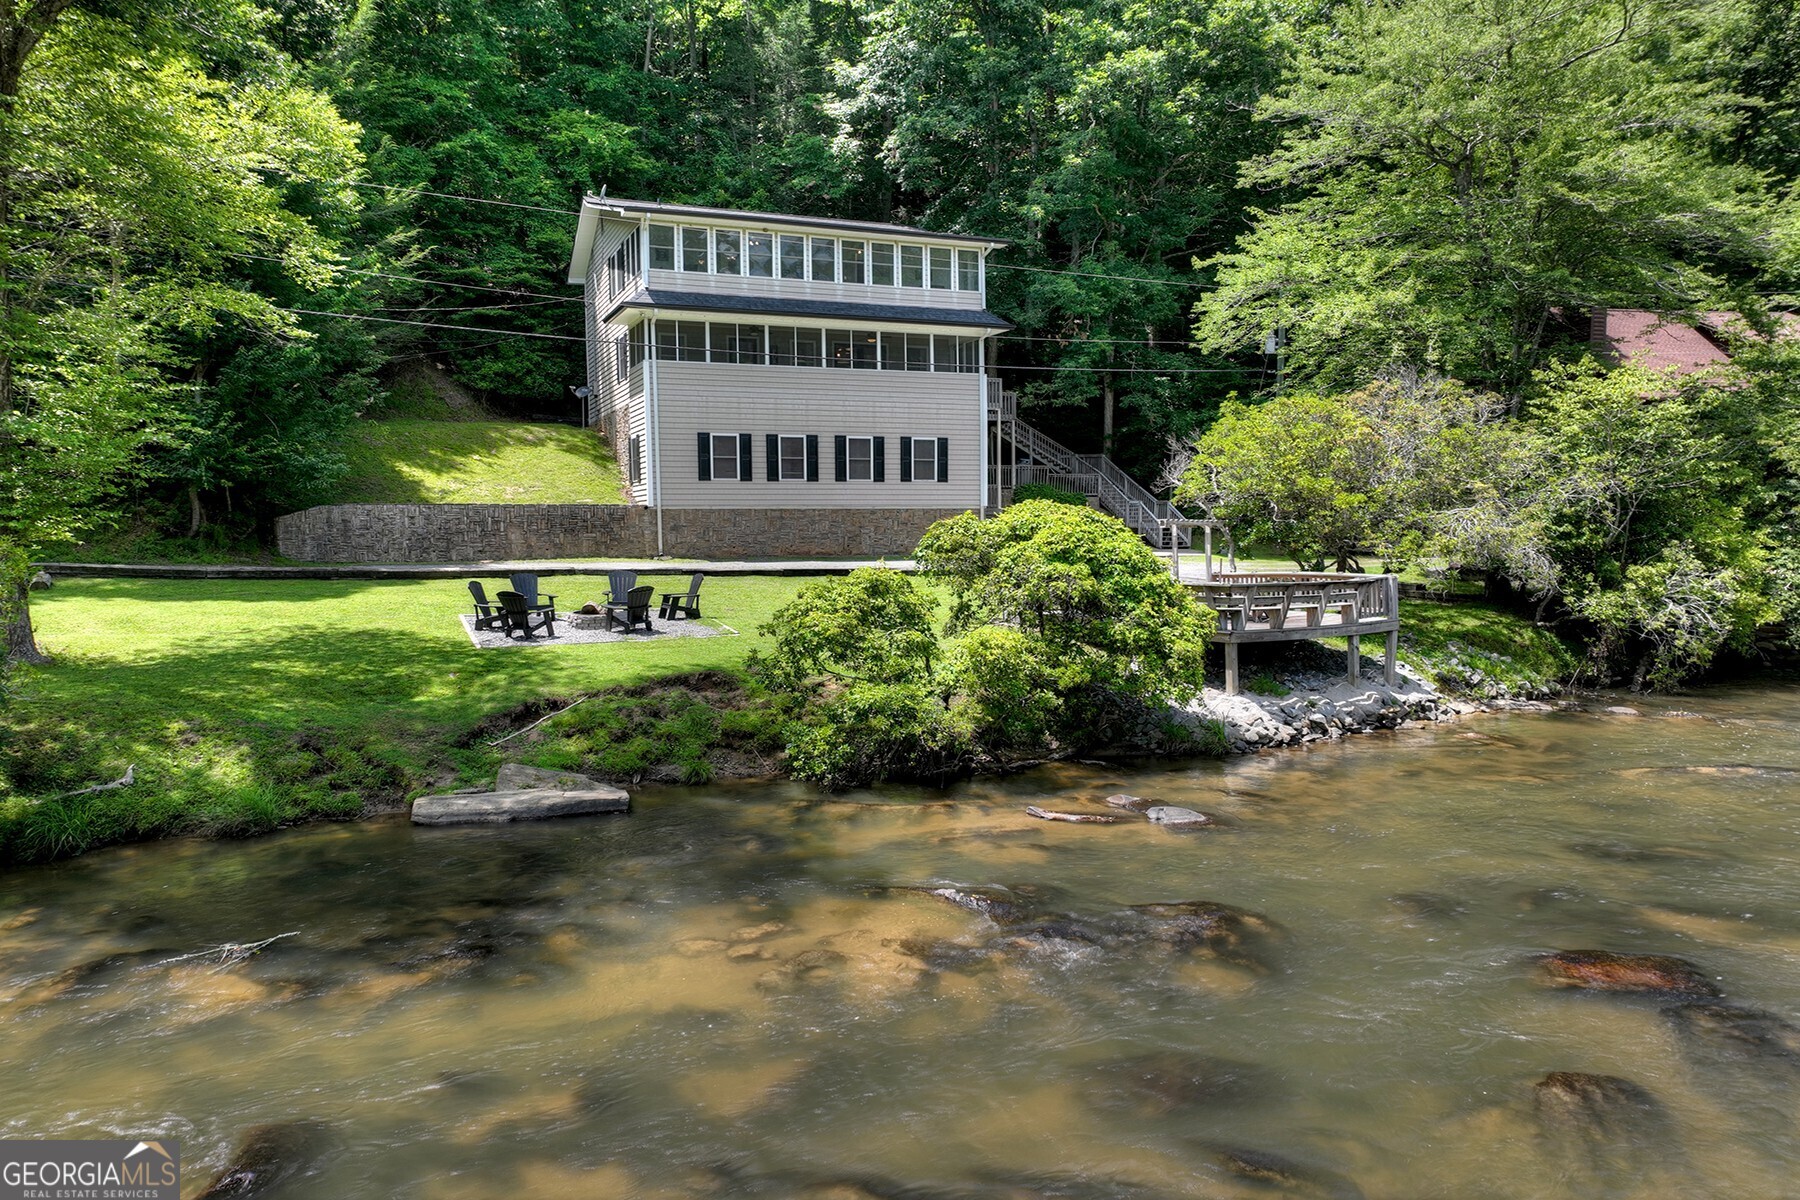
244 704
414 461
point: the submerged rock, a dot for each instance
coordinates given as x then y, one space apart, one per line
1165 1082
1428 905
267 1156
1129 802
997 904
1278 1172
1624 852
1746 1033
1598 1109
1204 925
1180 818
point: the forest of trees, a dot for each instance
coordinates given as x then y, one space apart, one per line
225 224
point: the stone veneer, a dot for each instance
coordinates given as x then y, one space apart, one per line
446 533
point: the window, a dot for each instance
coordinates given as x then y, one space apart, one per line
693 249
940 266
690 341
634 458
968 355
912 266
924 459
918 352
837 347
662 247
859 459
622 355
881 263
760 254
724 456
943 353
968 270
808 348
824 259
864 345
793 256
638 334
728 256
750 344
723 339
893 352
781 346
666 342
792 453
853 254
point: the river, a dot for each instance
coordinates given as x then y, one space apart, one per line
731 992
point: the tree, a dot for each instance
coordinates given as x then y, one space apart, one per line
130 179
1392 469
1463 173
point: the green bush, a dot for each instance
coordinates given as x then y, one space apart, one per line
1050 492
875 731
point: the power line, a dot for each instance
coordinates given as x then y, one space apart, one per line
468 307
554 337
1080 341
1134 370
566 212
1182 283
473 287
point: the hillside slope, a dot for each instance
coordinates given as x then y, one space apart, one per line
412 461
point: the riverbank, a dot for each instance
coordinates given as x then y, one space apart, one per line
241 706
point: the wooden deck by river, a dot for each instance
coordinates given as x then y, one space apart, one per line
1280 606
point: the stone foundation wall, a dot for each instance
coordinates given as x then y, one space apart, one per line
739 533
448 533
420 533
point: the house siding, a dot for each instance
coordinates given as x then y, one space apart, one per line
721 398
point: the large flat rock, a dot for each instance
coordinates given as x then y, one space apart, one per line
517 777
531 804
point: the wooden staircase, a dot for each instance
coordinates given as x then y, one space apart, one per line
1026 454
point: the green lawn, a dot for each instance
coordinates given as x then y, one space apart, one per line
413 461
243 704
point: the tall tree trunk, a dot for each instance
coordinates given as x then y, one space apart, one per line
196 515
21 644
1106 416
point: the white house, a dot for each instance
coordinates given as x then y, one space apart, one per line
785 384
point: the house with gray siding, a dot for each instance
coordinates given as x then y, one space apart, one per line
786 384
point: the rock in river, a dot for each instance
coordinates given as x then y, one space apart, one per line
997 904
1169 1081
1603 971
1738 1032
1177 818
268 1156
1231 933
1598 1109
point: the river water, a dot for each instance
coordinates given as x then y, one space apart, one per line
731 992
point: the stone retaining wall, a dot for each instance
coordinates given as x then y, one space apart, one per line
448 533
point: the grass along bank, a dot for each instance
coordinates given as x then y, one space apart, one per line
244 705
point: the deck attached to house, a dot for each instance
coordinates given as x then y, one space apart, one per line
1284 606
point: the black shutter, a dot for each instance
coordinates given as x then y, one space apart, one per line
843 458
880 460
812 458
705 457
943 460
905 460
772 443
746 469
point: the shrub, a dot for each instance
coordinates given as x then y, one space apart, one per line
875 731
1050 492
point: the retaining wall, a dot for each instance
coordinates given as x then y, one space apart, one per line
439 533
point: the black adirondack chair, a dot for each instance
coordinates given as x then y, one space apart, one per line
487 613
682 604
620 584
526 585
633 611
517 618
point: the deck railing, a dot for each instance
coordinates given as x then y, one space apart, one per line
1271 601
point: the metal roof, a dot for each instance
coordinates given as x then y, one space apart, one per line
694 212
779 306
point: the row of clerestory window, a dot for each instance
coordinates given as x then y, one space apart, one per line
794 457
762 254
